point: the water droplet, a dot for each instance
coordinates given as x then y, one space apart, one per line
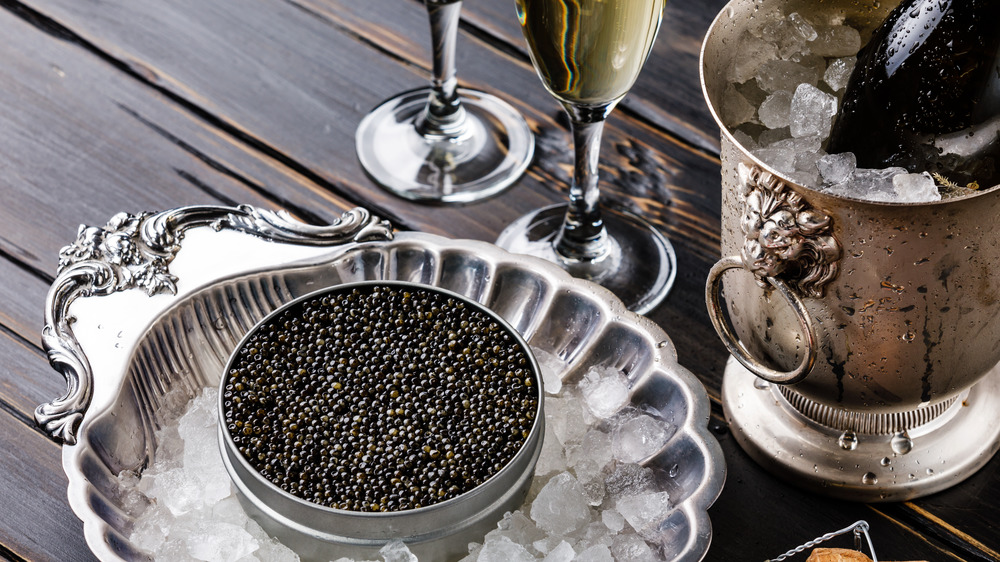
761 384
848 440
869 478
886 461
219 324
930 471
901 443
674 469
908 336
662 344
913 476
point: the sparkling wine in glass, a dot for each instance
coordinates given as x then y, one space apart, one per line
443 143
588 54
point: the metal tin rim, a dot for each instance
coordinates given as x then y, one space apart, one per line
371 529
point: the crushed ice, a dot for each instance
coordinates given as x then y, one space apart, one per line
185 499
590 501
783 93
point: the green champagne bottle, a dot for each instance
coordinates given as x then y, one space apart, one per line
925 94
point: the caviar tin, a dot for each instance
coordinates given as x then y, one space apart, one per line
440 531
149 307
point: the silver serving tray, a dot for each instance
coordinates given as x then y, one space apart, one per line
154 303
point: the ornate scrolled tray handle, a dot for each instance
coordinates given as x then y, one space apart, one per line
134 251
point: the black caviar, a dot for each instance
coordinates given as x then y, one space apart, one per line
380 398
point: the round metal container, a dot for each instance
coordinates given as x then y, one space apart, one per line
865 324
441 531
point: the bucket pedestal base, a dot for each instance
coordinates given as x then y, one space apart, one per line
857 466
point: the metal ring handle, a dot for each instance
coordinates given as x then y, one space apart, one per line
725 330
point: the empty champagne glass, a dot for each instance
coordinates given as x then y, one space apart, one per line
443 143
588 54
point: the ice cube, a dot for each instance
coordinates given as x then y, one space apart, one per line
815 63
628 479
802 26
565 416
271 550
745 140
613 520
517 527
774 111
605 391
839 72
150 532
596 553
502 549
806 172
798 145
591 479
915 188
782 160
775 75
867 184
771 136
551 367
735 109
754 52
632 548
836 41
174 490
560 507
812 112
218 541
552 457
640 438
645 512
563 552
789 34
595 448
397 551
837 168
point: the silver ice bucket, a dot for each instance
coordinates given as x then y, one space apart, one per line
863 335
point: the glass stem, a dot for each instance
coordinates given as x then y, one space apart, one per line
444 115
583 236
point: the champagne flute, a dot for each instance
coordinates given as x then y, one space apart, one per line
588 54
443 143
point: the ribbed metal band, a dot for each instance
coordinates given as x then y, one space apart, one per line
862 422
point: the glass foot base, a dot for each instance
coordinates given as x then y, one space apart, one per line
489 157
640 269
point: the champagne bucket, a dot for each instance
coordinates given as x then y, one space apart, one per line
863 335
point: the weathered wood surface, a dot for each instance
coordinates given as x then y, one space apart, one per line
131 105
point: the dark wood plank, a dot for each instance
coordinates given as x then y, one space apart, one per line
83 141
963 516
37 523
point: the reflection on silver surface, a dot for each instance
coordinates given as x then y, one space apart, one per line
140 348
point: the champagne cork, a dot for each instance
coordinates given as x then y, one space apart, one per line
839 555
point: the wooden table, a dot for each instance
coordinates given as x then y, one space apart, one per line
132 105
